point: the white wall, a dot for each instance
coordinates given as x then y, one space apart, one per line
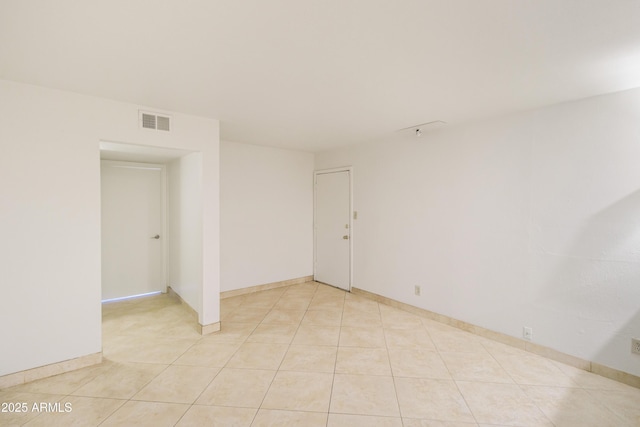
184 226
50 217
266 199
528 220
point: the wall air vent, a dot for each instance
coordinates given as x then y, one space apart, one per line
155 121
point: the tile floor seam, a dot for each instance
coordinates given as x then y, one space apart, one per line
281 361
520 386
605 407
205 387
110 415
40 414
182 416
464 399
113 412
149 382
167 367
335 364
335 361
498 362
393 376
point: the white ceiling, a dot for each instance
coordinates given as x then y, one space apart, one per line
316 74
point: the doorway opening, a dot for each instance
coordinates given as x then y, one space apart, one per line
137 255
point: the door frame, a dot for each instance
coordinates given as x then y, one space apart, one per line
163 195
351 232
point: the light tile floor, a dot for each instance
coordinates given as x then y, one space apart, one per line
312 355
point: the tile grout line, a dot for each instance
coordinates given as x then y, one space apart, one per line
164 370
144 311
393 376
149 382
515 382
335 361
455 382
244 342
285 353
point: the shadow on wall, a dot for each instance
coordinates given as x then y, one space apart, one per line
592 272
591 300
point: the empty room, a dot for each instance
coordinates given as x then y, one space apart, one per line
320 213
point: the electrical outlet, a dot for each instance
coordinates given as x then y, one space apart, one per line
635 346
527 333
417 290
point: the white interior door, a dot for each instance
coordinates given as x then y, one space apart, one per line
333 228
132 229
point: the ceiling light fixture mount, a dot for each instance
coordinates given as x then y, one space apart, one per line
420 129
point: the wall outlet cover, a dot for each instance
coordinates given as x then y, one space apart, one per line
635 346
527 333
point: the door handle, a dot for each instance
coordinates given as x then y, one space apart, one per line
157 236
345 237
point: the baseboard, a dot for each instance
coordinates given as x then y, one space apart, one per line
209 329
202 329
192 311
265 287
41 372
538 349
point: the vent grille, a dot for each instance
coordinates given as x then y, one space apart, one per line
155 121
162 123
148 121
